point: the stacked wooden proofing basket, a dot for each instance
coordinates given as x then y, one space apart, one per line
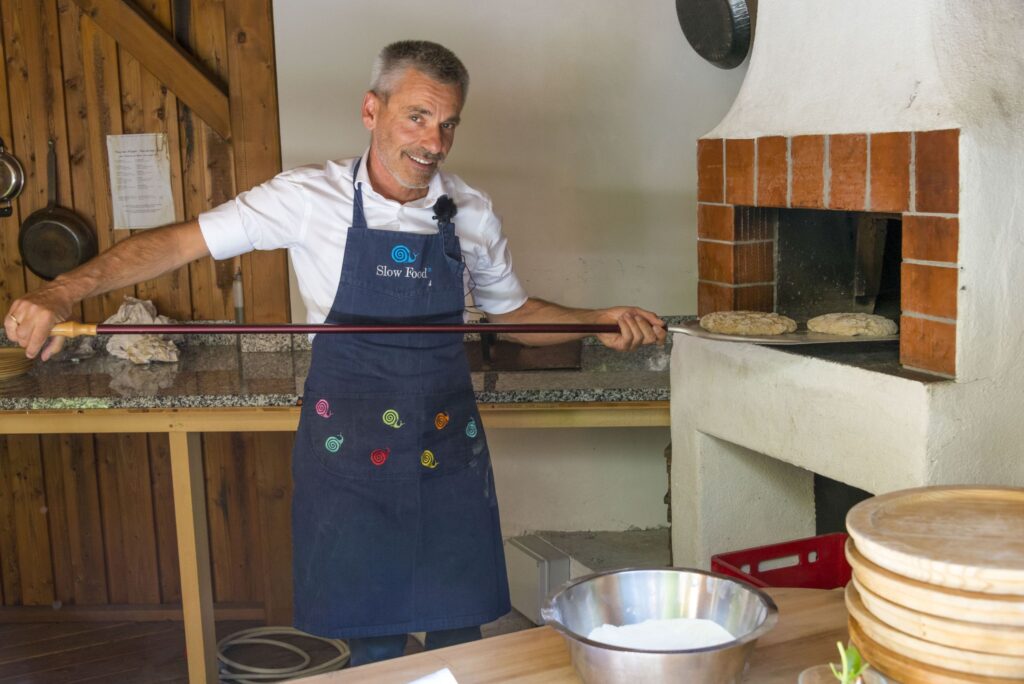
937 594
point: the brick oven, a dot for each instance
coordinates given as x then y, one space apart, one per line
873 161
907 177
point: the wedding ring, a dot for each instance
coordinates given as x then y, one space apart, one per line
12 317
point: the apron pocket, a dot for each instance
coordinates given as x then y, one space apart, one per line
452 435
456 265
365 439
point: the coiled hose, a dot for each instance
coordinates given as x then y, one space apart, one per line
248 674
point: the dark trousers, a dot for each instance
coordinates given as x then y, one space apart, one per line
373 649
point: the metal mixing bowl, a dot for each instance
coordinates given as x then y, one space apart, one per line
624 597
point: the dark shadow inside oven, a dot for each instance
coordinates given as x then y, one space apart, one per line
837 261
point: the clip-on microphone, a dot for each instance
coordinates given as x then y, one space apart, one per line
444 209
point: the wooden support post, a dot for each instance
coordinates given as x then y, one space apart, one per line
156 50
194 556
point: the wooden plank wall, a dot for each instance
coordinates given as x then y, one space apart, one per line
87 520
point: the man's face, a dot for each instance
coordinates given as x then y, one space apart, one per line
410 133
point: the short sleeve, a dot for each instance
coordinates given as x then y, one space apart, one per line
493 282
270 216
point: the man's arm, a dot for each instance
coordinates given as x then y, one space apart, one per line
143 256
636 326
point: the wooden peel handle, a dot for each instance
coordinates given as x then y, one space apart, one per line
73 329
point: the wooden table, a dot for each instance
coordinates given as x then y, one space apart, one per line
184 426
811 621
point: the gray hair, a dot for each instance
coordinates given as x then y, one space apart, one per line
435 61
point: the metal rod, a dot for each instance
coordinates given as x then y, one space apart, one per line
75 329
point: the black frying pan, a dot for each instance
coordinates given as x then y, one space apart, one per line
719 30
54 240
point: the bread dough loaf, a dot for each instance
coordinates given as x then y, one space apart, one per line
747 323
852 324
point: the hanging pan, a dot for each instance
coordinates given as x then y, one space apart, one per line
721 31
12 180
54 240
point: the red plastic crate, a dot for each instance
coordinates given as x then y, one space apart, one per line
811 563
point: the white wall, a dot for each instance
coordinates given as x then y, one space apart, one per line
581 123
571 479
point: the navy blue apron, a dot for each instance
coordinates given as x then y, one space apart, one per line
394 518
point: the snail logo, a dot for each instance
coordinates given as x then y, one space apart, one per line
323 409
471 428
428 460
334 443
441 420
378 456
401 254
391 419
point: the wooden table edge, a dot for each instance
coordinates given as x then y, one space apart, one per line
286 418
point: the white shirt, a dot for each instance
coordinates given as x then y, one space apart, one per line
308 210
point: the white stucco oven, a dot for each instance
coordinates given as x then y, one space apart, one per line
911 112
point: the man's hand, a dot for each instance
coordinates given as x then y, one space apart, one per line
147 254
636 327
30 319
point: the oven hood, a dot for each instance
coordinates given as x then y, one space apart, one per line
835 66
913 108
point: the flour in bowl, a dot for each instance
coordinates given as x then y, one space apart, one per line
676 634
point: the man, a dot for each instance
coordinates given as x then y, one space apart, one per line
395 519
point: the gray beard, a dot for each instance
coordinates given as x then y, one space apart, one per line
398 179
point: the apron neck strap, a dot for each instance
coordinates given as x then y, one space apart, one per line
358 217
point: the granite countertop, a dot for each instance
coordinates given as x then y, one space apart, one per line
224 371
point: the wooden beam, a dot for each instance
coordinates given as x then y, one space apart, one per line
272 464
257 145
103 117
124 613
163 57
194 557
208 165
13 105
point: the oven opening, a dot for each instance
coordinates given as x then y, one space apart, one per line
837 261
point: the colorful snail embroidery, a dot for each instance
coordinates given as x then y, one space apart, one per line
323 409
441 420
471 428
428 460
403 255
378 456
391 419
334 443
